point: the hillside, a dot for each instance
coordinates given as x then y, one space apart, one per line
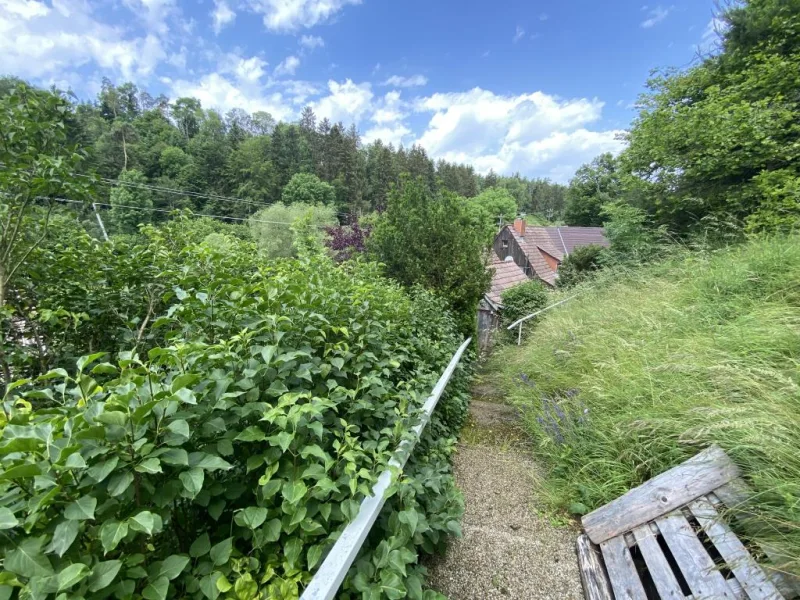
648 367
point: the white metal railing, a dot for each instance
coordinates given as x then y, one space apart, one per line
331 573
519 322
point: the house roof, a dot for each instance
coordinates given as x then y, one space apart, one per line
566 239
506 274
537 238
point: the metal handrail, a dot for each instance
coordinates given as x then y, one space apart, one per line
329 577
530 316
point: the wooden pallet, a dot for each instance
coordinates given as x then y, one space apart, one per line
665 539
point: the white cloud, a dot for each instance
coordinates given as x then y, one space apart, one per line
655 15
217 91
249 70
519 34
390 110
412 81
40 42
154 13
288 66
532 133
27 9
312 41
348 102
291 15
222 15
397 135
712 35
300 91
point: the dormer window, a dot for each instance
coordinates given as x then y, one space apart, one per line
505 244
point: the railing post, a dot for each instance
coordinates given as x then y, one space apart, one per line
519 337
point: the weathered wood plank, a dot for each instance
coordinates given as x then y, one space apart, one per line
662 494
748 573
660 571
621 571
735 495
695 564
593 574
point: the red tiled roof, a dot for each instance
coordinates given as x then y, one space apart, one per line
566 239
506 274
534 239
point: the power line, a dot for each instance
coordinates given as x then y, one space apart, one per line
163 210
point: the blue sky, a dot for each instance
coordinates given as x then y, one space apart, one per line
538 87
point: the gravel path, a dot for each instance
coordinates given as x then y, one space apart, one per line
508 551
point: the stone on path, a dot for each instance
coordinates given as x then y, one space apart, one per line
508 550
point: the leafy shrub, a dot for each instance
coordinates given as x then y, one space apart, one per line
222 456
580 264
272 234
523 299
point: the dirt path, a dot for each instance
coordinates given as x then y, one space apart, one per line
508 551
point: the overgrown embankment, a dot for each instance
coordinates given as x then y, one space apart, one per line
649 367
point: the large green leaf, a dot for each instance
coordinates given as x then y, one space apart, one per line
27 559
103 574
145 521
157 589
149 465
294 491
192 481
251 517
71 575
63 536
221 552
7 519
119 483
111 533
82 509
200 546
20 472
172 566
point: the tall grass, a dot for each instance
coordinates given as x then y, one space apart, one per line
649 367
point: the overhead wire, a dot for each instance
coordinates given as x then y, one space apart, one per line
169 211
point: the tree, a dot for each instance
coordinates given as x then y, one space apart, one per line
594 185
523 299
580 264
38 165
271 227
428 239
131 203
708 139
308 189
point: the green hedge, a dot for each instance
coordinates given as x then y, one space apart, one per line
222 456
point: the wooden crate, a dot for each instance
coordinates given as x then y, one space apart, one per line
666 539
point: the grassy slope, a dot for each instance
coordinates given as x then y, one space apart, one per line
668 360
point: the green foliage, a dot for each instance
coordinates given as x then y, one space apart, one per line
217 450
125 199
652 365
37 162
306 188
271 227
721 139
594 185
523 299
492 206
633 239
581 263
430 239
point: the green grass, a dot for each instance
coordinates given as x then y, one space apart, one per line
653 365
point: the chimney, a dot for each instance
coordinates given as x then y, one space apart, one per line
519 226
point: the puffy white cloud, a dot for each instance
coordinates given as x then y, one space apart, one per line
312 41
222 15
153 12
536 133
411 81
27 9
287 66
250 69
347 101
291 15
217 91
41 42
396 134
390 110
655 15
